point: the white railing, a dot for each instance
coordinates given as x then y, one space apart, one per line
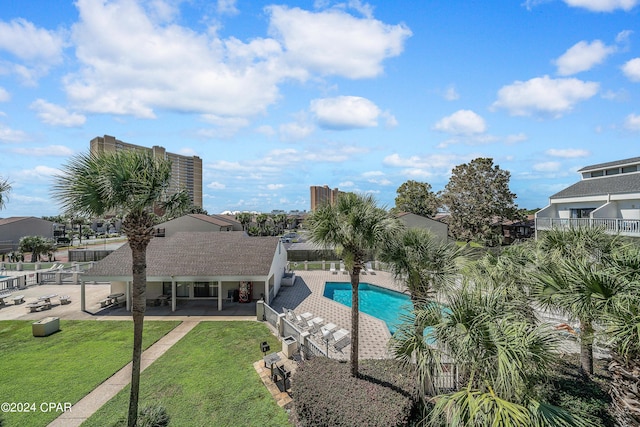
627 227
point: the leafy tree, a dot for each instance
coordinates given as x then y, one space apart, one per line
5 188
417 198
356 227
477 195
132 183
261 220
37 245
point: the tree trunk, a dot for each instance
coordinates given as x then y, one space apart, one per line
139 233
355 320
625 391
586 347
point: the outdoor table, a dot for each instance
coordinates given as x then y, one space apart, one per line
47 298
270 360
164 299
2 297
114 297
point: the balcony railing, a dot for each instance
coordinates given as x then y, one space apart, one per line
625 227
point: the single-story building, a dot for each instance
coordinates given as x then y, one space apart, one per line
198 222
14 228
200 266
437 228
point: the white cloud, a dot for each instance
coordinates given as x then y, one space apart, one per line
462 122
275 186
11 135
346 184
38 48
582 56
22 39
295 131
631 69
451 93
50 151
370 174
266 130
603 5
56 115
547 167
345 112
632 122
544 96
227 7
215 185
4 95
332 42
568 153
427 166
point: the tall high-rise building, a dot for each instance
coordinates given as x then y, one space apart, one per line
186 171
323 195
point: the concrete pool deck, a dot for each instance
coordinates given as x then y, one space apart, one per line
307 296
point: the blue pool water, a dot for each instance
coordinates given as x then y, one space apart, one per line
378 302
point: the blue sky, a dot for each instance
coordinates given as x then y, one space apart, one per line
275 97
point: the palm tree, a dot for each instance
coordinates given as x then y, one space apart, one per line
571 277
5 188
37 245
621 324
261 220
245 219
498 354
357 228
131 183
425 263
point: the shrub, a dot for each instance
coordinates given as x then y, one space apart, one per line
582 396
153 416
325 394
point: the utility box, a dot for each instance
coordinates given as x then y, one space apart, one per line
289 346
46 326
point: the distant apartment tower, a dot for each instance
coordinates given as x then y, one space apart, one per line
323 195
186 171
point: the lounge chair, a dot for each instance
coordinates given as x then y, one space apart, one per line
369 268
342 270
341 339
332 268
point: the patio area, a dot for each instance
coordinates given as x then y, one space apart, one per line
307 296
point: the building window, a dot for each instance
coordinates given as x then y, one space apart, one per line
182 289
581 213
597 173
613 171
627 169
205 289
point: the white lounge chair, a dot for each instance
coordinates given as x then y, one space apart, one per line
341 339
332 268
369 268
342 270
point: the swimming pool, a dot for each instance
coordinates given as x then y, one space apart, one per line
384 304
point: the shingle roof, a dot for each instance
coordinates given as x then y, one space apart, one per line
614 184
610 164
195 254
5 221
211 219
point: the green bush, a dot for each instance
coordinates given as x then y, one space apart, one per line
582 396
325 394
153 416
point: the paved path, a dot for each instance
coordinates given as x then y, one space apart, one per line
108 389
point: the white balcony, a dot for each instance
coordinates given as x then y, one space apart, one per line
623 227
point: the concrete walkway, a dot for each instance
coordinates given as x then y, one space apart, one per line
93 401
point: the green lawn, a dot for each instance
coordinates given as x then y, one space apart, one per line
206 379
65 366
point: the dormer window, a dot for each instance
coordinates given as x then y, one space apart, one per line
613 171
